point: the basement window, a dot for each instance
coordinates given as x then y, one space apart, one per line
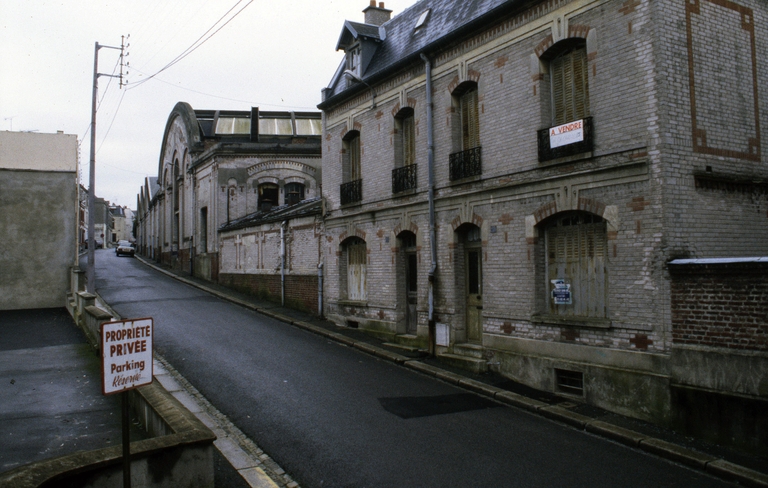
570 382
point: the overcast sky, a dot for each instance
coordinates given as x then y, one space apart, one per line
275 55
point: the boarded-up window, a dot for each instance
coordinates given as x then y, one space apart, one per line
576 254
356 270
570 85
470 127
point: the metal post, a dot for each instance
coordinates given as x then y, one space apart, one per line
126 441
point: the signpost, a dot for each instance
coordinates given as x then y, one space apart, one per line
126 363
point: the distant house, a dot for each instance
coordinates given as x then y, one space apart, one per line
551 188
218 167
39 210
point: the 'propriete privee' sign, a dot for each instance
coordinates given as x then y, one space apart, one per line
126 354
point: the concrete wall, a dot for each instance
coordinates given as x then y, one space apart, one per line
38 215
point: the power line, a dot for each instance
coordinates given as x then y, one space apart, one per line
198 42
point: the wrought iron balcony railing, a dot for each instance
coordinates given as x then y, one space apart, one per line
585 144
404 178
351 192
465 164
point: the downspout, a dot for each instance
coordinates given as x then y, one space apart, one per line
320 290
431 197
282 262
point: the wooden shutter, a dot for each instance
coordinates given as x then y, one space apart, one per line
570 86
356 270
409 140
354 159
576 253
470 127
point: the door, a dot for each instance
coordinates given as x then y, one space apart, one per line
474 289
356 270
411 275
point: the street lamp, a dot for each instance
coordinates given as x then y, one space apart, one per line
351 74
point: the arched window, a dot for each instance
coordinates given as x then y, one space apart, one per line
465 159
268 196
294 193
576 257
351 190
569 81
356 264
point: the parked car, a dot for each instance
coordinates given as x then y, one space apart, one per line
124 247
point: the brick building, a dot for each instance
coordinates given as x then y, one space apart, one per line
506 182
217 167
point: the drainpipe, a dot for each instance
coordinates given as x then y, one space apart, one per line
282 262
320 289
432 233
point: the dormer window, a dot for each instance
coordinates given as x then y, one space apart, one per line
422 20
353 60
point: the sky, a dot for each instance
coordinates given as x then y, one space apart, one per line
271 54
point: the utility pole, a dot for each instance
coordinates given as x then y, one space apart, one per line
90 271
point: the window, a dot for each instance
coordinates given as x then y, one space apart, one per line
356 269
422 20
204 230
352 188
276 126
309 127
470 128
576 265
465 160
353 60
569 82
233 125
405 139
294 193
268 196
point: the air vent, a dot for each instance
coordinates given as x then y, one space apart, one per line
352 324
570 382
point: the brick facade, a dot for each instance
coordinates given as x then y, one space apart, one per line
721 305
676 170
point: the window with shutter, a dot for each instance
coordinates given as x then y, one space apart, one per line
570 85
470 127
409 140
576 251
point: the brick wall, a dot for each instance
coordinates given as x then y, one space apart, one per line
720 305
300 291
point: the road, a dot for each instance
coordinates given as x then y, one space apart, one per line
333 416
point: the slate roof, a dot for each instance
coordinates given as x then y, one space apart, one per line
276 214
401 44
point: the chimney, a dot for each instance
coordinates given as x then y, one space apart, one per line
376 15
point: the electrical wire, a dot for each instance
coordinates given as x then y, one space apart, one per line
197 43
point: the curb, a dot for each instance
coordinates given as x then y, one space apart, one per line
694 459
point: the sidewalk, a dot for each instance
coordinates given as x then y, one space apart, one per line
718 460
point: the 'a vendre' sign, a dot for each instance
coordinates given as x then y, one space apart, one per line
126 354
565 134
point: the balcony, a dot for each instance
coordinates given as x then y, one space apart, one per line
572 139
351 192
404 178
465 164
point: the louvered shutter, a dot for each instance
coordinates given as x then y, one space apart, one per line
470 126
409 141
576 253
354 159
570 86
356 270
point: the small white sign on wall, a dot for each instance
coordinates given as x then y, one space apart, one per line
442 335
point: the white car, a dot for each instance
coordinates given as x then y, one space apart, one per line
124 247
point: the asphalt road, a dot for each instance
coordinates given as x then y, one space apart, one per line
334 416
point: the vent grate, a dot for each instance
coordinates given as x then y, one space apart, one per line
571 382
